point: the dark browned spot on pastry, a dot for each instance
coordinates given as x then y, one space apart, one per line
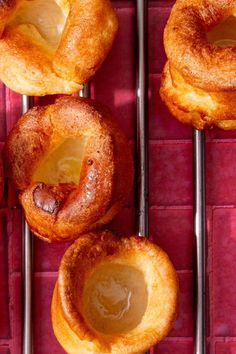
45 200
90 162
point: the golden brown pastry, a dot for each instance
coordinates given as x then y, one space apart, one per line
72 166
53 46
113 295
199 78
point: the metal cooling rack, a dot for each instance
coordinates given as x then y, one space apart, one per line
142 154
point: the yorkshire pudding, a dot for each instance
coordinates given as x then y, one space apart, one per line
72 166
53 46
113 295
199 78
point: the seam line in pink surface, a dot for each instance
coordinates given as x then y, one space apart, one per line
171 207
178 339
169 142
5 342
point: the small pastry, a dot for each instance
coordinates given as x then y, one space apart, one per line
72 166
199 78
53 46
113 295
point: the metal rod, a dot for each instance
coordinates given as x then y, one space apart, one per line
27 271
85 92
142 118
199 234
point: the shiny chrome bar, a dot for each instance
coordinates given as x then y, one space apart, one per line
200 239
85 92
142 117
27 269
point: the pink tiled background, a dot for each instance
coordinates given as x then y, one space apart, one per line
170 204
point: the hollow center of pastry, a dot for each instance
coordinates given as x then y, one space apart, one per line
224 35
41 18
115 298
63 164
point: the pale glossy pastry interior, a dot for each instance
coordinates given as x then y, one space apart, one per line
63 163
115 298
199 78
46 20
45 47
113 295
224 34
72 166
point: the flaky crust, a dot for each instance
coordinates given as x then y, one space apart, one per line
29 65
59 212
72 330
199 78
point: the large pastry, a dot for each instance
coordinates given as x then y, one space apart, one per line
72 166
113 295
53 46
199 78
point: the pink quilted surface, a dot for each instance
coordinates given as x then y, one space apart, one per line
170 204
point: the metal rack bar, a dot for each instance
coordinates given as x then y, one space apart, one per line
27 271
85 92
142 118
199 234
